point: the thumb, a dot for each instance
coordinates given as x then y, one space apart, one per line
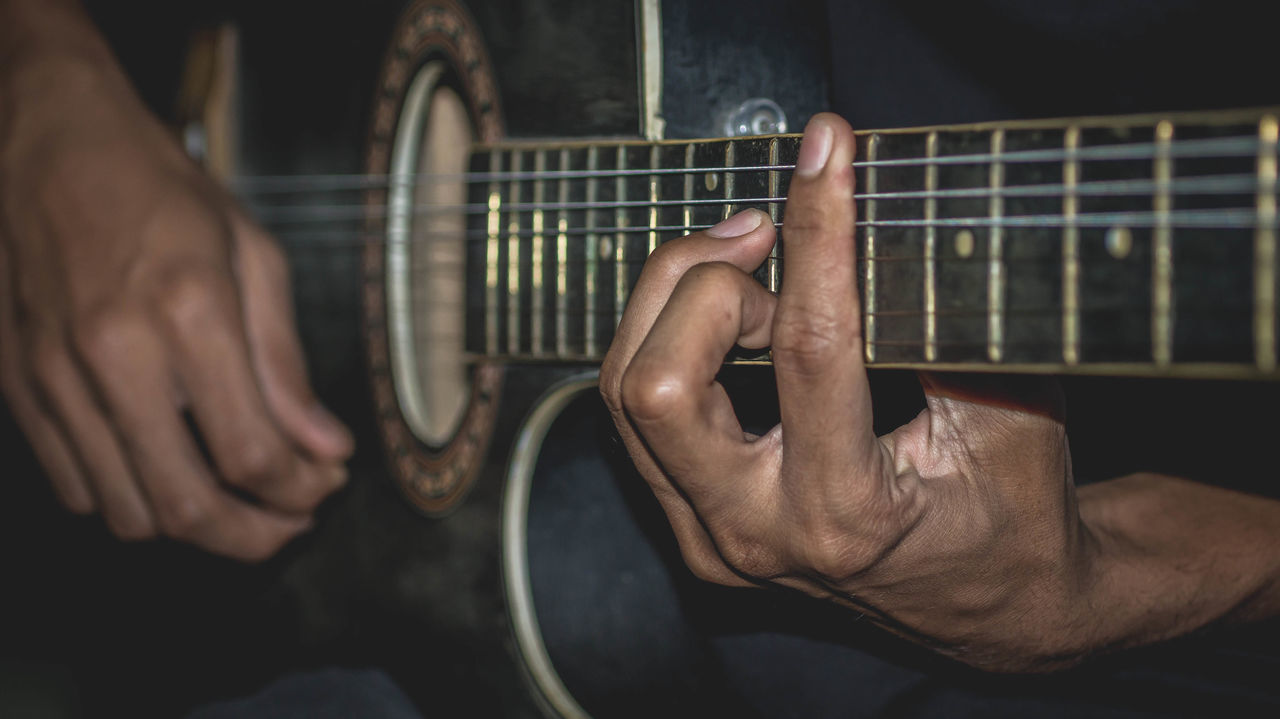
276 350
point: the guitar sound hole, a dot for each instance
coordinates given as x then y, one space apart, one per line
426 246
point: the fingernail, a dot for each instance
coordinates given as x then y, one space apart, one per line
815 148
736 226
338 476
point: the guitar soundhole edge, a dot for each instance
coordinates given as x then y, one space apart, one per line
434 459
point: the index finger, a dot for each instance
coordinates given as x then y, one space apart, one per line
189 504
817 337
210 350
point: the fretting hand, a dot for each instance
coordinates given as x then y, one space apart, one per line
960 530
132 291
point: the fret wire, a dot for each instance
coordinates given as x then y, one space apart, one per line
1162 255
513 264
687 213
655 162
620 243
1071 252
728 180
592 255
869 302
1264 253
930 253
995 250
775 180
491 269
562 264
538 303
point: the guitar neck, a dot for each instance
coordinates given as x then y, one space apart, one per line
1119 245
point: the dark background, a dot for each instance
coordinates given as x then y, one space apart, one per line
89 626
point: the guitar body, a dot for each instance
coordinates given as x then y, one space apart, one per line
495 552
465 441
540 555
559 566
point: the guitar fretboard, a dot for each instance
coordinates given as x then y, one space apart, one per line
1107 245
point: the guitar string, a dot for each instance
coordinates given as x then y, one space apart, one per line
1197 185
979 346
1219 219
1219 147
575 314
451 265
1240 311
610 266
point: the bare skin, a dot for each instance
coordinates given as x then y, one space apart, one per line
963 529
132 291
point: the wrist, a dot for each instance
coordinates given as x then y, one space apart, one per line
1050 626
1175 556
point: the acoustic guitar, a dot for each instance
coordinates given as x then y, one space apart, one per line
495 271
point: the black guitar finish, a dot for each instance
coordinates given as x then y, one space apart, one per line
376 584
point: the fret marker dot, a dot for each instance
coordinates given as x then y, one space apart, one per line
964 243
1119 242
606 247
712 181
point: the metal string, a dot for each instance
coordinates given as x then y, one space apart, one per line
1224 219
1203 184
1238 146
525 312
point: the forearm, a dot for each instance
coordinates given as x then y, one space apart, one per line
1173 556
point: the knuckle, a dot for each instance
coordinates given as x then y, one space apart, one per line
190 295
181 516
834 557
130 528
807 341
813 219
252 462
669 259
822 211
716 279
651 391
835 551
103 332
747 556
